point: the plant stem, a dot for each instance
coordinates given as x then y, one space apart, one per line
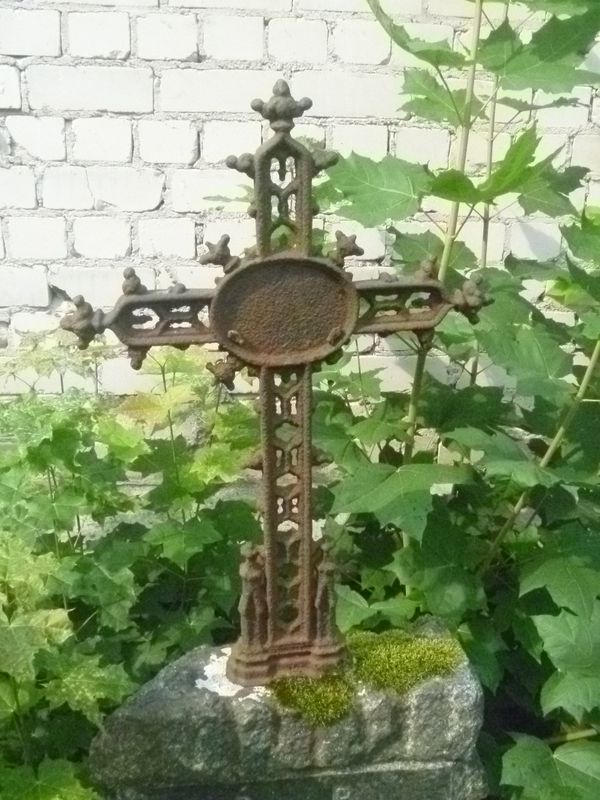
572 737
553 449
413 406
465 132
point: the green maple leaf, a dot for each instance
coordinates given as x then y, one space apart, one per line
375 192
351 609
180 541
53 780
438 54
431 100
82 683
578 695
25 635
572 642
396 496
550 60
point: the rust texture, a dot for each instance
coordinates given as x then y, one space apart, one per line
280 313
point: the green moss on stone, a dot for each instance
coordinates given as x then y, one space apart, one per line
398 661
320 701
394 661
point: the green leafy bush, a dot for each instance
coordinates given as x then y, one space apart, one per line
119 551
120 527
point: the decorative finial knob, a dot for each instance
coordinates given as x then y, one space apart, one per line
282 109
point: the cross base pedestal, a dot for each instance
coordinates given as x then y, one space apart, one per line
248 667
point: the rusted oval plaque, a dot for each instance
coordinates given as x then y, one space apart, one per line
284 311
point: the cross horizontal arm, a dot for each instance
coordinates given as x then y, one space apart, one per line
390 305
141 319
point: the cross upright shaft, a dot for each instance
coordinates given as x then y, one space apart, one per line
281 314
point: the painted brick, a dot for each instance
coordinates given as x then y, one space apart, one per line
101 283
204 190
36 237
2 251
239 38
102 237
561 117
361 42
241 231
84 88
17 188
172 36
471 236
425 145
102 139
347 94
126 188
213 89
66 187
535 240
368 140
586 152
300 40
197 276
245 5
169 238
168 142
426 31
41 137
222 139
331 5
10 87
29 33
23 286
99 35
132 3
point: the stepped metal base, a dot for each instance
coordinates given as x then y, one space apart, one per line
246 667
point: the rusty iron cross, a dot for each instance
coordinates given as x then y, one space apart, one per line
280 314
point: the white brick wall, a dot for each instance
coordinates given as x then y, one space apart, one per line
116 117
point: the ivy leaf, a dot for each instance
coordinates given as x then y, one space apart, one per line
53 780
351 609
81 682
578 695
572 642
376 192
180 541
438 54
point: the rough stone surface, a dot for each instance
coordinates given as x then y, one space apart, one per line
189 734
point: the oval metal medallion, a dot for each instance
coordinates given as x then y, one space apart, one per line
284 311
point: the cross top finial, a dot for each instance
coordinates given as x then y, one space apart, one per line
282 108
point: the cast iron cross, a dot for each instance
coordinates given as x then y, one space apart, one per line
281 314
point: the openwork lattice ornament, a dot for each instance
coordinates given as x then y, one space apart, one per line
281 314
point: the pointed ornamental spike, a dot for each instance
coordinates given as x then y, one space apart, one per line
84 322
282 109
220 255
132 284
346 247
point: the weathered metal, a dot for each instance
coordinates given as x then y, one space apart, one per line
280 313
